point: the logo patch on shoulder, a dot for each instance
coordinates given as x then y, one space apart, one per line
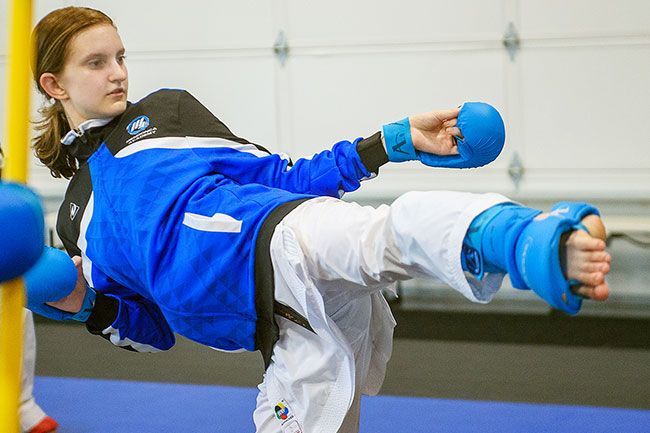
137 125
140 128
73 211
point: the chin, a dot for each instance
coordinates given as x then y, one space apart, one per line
116 109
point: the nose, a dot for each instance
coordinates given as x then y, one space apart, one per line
118 72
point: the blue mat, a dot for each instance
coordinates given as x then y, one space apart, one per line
106 406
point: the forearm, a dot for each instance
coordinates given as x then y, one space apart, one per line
336 171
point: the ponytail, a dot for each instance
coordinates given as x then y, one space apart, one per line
47 145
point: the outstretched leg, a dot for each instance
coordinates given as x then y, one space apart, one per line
365 249
331 259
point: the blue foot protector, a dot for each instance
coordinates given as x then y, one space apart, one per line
538 254
483 131
491 240
22 235
519 241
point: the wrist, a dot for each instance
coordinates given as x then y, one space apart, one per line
87 306
398 141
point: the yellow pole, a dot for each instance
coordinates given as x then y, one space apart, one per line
18 91
17 127
11 341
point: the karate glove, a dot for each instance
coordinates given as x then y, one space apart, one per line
483 134
51 279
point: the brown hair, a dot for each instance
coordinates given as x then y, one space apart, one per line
52 37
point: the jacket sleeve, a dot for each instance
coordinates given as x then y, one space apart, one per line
330 172
120 315
129 320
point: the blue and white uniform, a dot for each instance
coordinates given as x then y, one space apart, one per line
166 212
174 217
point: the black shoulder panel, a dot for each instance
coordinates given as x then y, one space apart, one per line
68 222
166 113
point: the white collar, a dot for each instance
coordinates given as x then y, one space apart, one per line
73 134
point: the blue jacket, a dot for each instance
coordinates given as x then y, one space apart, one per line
166 208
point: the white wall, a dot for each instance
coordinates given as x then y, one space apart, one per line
575 97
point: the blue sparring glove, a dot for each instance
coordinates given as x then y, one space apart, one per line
483 133
51 279
21 230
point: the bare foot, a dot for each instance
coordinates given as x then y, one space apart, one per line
587 261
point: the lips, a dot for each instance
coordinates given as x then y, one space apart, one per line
117 92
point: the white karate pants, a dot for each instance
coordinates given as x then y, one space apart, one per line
331 260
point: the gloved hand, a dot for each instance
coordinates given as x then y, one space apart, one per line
481 138
51 279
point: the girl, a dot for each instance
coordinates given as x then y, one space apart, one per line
185 228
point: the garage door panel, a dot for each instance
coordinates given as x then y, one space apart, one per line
584 107
199 24
548 18
245 104
367 21
355 95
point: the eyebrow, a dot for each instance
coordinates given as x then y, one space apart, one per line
100 54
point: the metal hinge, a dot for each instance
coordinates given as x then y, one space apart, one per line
516 169
511 41
281 47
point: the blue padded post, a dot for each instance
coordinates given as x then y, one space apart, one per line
21 230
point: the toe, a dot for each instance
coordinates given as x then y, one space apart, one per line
589 267
599 292
598 256
582 241
591 278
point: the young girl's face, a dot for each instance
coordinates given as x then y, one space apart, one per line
94 78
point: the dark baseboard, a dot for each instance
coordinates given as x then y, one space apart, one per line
554 328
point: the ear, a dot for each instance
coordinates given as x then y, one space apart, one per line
50 83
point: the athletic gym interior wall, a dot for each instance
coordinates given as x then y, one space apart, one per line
572 79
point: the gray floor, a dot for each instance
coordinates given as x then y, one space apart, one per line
617 377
